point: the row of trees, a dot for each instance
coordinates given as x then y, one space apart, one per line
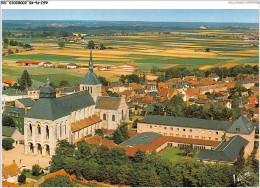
180 72
15 43
177 107
132 78
99 163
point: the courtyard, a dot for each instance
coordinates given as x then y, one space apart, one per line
22 159
175 154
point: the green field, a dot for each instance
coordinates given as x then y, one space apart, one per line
174 154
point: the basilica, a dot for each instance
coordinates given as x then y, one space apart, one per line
72 116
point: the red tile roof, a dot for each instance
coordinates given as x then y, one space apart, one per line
10 170
168 92
192 92
8 184
85 123
130 151
60 173
253 100
8 80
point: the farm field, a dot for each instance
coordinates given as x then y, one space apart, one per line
147 49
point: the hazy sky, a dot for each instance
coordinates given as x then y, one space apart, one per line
174 15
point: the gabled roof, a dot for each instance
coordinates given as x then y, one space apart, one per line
227 151
8 131
90 79
85 123
241 126
10 170
149 108
28 102
187 122
108 103
9 80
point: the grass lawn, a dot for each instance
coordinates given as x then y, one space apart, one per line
29 175
175 154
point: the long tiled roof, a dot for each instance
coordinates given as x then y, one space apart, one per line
227 151
76 101
108 103
85 123
187 122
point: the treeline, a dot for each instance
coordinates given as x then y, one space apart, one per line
177 107
15 43
132 78
113 166
233 71
180 72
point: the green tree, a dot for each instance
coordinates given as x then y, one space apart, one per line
22 179
154 69
61 44
91 45
16 50
139 156
58 181
103 80
6 41
121 133
234 104
7 143
135 123
25 81
64 83
99 132
240 162
8 121
102 47
72 166
36 170
10 51
89 169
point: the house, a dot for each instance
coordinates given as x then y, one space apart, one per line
14 111
47 64
168 93
72 66
10 82
10 172
29 63
214 76
34 92
12 132
190 93
248 83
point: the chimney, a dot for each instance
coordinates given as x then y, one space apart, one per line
13 161
4 107
134 145
211 117
164 114
227 138
230 119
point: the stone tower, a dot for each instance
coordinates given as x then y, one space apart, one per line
91 82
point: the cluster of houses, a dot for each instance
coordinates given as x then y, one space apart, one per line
74 113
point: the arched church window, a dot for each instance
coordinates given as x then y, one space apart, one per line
90 89
113 118
39 129
47 131
104 117
30 127
122 114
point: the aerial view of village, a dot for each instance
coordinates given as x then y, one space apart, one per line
130 98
